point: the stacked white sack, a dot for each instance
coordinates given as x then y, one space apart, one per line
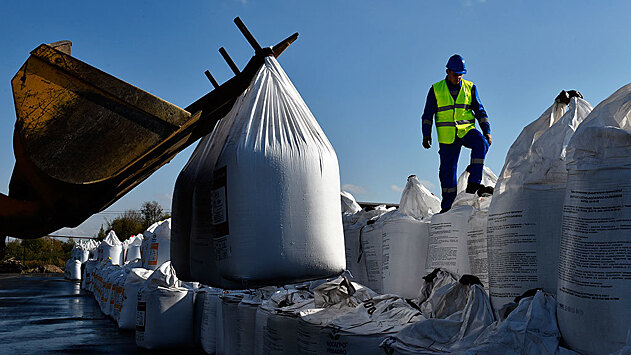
73 270
88 275
132 248
229 345
129 301
524 223
110 248
199 305
211 325
247 317
395 246
355 260
164 313
457 238
271 186
594 279
276 324
157 249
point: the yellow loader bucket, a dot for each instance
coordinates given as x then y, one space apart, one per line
84 138
81 125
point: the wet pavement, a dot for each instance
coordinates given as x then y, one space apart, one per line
44 313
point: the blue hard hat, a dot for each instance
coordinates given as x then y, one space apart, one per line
456 64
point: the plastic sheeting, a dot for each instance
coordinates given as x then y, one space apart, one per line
594 283
164 313
457 238
272 191
524 224
349 206
276 324
361 330
462 312
529 329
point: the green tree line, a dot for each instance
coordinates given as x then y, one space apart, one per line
47 250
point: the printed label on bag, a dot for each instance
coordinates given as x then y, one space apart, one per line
141 314
153 254
219 202
222 249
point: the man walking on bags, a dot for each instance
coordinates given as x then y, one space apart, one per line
456 105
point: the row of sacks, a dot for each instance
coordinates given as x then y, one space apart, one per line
147 301
559 220
152 247
388 250
319 317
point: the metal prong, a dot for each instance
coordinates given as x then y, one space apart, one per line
212 80
247 34
225 56
282 45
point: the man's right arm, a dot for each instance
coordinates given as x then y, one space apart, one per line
428 114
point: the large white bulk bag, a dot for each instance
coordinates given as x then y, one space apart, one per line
274 190
74 270
158 247
395 246
594 280
457 238
182 210
133 250
355 260
164 313
524 222
127 313
110 248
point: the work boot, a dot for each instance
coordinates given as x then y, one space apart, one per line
485 191
473 187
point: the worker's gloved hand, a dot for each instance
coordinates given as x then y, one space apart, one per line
489 138
427 142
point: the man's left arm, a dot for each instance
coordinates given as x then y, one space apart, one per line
480 114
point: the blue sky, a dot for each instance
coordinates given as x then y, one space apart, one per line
363 68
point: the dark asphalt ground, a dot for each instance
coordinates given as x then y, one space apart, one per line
44 313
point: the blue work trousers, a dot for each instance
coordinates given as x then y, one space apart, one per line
449 154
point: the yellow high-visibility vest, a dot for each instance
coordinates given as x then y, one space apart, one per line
453 118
